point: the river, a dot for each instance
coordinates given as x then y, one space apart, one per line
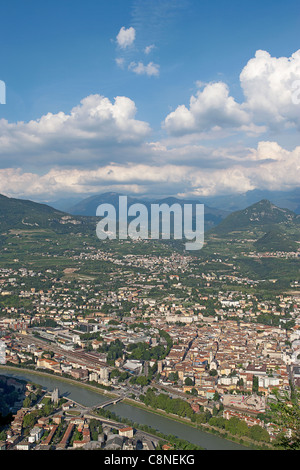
163 424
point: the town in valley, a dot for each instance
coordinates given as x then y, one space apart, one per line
160 328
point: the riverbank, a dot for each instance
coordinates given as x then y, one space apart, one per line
207 430
203 427
99 390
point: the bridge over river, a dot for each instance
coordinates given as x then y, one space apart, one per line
111 401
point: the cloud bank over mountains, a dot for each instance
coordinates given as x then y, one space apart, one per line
102 145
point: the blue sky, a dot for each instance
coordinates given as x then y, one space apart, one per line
205 97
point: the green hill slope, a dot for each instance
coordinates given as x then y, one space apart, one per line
274 240
260 217
259 228
28 215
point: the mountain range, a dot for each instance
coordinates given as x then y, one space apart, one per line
267 226
88 206
227 203
234 202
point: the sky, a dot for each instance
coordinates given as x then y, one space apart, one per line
187 98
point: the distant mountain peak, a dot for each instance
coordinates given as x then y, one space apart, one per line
262 215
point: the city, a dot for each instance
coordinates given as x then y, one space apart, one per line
149 229
213 350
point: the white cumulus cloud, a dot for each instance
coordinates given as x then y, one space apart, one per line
271 88
268 86
139 68
210 108
126 37
92 130
148 49
120 61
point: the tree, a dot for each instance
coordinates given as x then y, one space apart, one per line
188 381
173 376
255 384
257 433
142 380
236 426
29 420
218 421
242 429
115 373
26 402
286 413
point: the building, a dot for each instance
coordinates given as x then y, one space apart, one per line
49 364
114 442
24 445
50 436
55 396
133 367
66 437
35 434
126 432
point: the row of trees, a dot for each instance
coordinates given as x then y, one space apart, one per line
284 412
239 428
163 402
